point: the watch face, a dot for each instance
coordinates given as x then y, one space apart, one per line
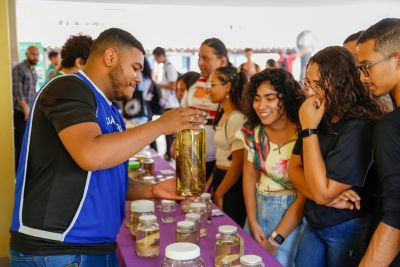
279 239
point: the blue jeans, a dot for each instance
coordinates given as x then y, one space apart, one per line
18 259
270 211
335 246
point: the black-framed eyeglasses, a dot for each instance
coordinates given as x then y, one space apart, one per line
364 68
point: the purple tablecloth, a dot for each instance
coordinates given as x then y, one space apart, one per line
126 245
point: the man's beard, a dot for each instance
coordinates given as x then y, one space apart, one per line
32 62
118 81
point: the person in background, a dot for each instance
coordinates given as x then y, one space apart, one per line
378 56
168 86
212 55
249 66
55 61
351 41
270 64
274 208
184 82
24 79
69 208
333 154
227 85
74 53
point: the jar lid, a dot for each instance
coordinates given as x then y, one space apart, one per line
192 216
185 224
148 178
250 259
142 206
199 205
227 229
182 251
133 165
147 160
167 202
148 218
205 196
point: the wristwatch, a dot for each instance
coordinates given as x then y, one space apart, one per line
277 238
307 132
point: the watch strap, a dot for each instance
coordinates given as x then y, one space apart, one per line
307 132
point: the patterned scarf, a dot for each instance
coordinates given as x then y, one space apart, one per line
259 145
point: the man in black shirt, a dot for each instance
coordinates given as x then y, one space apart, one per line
378 56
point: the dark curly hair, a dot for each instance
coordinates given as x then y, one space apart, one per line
290 95
345 95
77 46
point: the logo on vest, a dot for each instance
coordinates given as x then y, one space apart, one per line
110 121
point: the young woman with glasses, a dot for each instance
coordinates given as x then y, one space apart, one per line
332 155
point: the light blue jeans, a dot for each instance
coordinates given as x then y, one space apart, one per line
18 259
270 211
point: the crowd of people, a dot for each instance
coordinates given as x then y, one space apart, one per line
309 168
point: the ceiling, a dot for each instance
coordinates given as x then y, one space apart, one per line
244 3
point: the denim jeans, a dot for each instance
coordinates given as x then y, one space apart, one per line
341 245
18 259
270 211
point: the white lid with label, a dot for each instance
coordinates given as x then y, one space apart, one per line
148 218
198 205
250 259
167 202
227 229
142 206
193 216
205 196
185 224
182 251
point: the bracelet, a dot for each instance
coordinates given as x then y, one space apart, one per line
307 132
273 242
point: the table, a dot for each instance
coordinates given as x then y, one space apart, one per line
126 250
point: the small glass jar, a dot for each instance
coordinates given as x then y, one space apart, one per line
137 209
206 197
200 208
168 208
195 217
186 232
182 255
148 237
147 165
251 261
134 171
185 205
228 244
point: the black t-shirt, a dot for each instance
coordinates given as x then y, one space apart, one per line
347 152
387 160
55 182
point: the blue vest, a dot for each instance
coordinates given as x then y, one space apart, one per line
102 206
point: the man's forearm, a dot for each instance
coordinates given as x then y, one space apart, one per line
138 190
383 248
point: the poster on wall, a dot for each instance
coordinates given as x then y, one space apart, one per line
40 66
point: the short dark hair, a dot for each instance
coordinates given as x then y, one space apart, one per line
77 46
218 46
386 34
353 37
189 78
248 49
271 63
159 51
53 54
290 94
117 39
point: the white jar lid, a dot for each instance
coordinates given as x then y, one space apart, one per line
250 259
193 216
227 229
205 195
200 205
142 206
185 224
148 177
167 202
148 218
182 251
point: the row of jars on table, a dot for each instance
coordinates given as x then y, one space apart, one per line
145 229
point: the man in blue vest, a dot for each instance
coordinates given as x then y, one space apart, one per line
72 178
